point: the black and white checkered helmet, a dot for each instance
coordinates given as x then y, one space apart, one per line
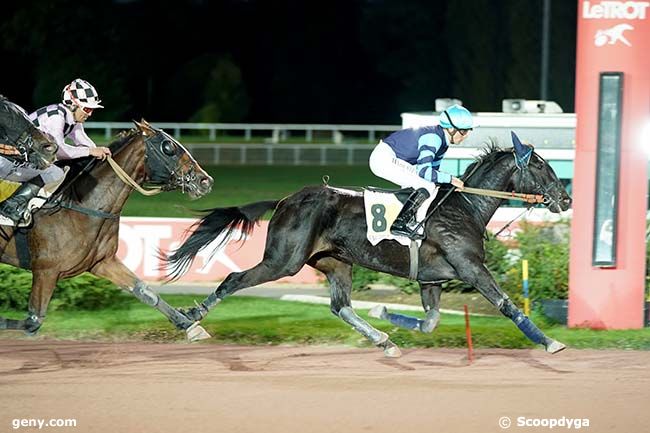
81 92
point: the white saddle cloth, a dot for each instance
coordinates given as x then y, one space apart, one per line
382 210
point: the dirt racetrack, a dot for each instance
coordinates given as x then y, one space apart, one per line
134 387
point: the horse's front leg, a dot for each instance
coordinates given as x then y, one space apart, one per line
114 270
430 296
43 285
472 271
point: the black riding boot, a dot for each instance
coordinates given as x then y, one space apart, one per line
405 223
15 206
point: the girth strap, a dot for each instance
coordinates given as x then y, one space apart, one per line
90 212
413 262
22 248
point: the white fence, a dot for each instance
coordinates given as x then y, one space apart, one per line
280 154
326 154
275 132
264 144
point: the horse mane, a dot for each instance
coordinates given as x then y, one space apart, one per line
490 152
80 179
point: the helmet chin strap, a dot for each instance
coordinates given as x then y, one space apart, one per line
451 133
453 129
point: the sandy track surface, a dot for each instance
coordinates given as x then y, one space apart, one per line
130 387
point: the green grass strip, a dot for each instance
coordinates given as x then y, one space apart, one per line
250 320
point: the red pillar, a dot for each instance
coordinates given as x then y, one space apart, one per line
613 36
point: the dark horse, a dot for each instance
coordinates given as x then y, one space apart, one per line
82 234
325 228
21 141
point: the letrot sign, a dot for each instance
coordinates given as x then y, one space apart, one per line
607 269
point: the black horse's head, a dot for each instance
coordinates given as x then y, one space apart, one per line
535 176
23 142
170 166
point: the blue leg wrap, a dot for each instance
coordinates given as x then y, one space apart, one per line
406 322
529 329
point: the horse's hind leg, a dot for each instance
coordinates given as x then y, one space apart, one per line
114 270
339 275
43 284
286 252
265 271
430 296
12 324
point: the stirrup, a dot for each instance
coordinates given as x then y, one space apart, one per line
407 233
18 219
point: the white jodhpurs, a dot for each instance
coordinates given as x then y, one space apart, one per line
8 171
385 164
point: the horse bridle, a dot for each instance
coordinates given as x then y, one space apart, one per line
521 165
162 163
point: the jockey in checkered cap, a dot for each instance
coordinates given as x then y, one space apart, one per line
62 121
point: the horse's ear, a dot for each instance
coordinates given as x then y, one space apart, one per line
520 148
144 127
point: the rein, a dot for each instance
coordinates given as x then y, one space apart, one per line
121 174
124 177
6 149
428 215
528 198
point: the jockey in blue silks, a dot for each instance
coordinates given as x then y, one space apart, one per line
411 158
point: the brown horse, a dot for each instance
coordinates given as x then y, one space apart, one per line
82 234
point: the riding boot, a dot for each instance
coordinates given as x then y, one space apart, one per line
15 206
405 223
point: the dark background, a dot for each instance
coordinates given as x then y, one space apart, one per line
335 61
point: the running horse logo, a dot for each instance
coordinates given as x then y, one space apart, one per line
613 35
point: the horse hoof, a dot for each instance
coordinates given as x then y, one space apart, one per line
196 333
391 350
555 347
192 313
378 312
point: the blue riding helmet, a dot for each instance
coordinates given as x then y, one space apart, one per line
456 117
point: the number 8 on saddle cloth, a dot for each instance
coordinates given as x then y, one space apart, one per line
382 207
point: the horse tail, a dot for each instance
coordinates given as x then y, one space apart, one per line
217 223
